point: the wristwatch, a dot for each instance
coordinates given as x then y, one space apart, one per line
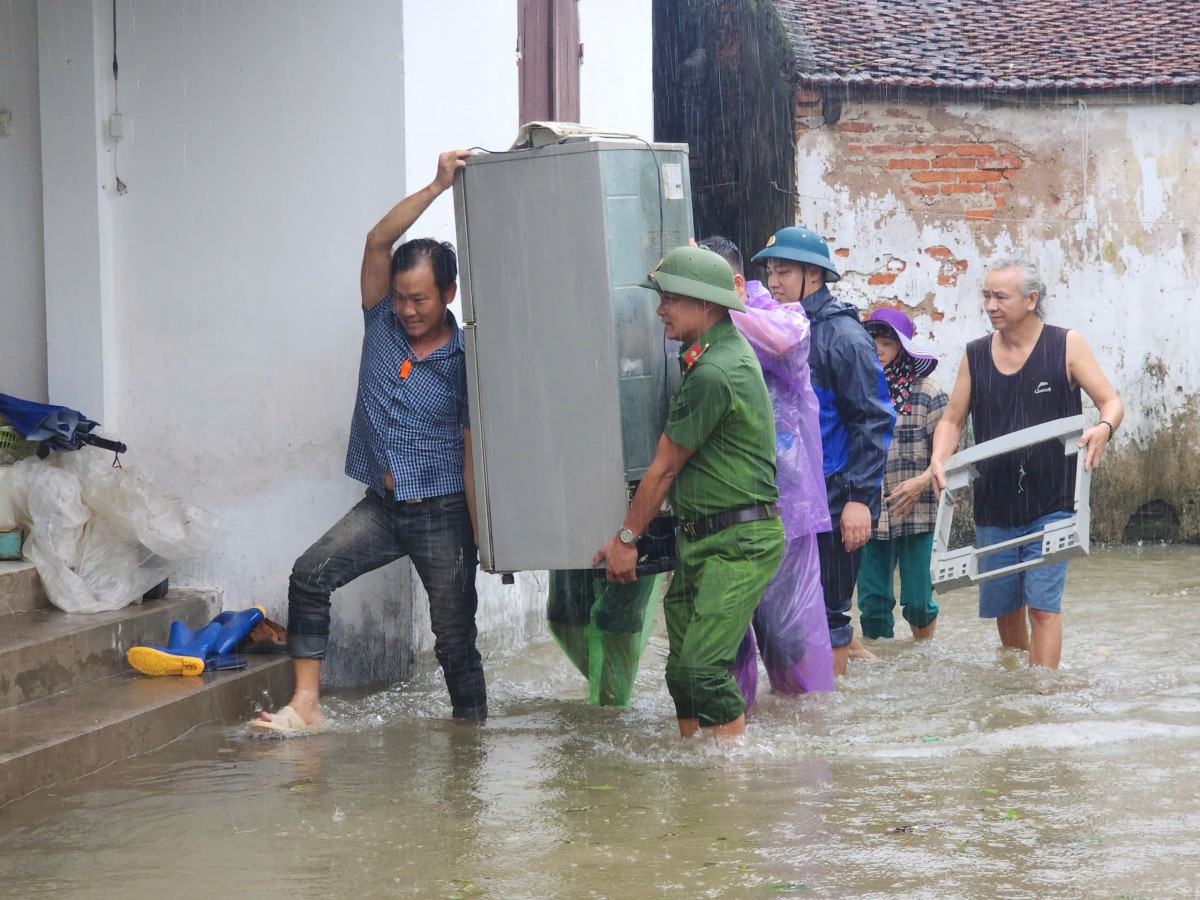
625 536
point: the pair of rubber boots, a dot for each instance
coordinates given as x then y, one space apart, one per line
192 652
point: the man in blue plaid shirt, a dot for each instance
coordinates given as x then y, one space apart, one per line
410 445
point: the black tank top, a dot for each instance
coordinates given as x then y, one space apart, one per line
1022 486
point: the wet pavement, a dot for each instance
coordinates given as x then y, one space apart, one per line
947 769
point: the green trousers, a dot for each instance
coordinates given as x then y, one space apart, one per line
876 593
718 582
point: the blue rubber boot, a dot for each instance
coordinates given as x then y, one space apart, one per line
185 653
234 627
181 637
192 652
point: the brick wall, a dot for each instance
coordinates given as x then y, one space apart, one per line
949 171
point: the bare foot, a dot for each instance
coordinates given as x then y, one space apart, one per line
733 729
840 657
924 634
310 712
858 651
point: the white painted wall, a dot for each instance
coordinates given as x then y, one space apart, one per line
260 142
22 280
80 304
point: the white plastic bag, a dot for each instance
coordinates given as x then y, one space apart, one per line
101 537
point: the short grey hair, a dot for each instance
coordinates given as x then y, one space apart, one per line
1031 279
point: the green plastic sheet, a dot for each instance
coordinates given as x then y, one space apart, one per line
602 627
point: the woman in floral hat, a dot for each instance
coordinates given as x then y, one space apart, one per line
904 534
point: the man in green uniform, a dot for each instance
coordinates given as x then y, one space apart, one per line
716 458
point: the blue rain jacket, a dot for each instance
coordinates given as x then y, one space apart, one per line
857 415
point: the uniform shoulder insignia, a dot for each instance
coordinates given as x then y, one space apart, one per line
693 354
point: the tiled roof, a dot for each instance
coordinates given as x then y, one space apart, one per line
1002 45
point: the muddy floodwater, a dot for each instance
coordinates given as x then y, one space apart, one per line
943 770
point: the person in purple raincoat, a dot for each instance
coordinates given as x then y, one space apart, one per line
790 622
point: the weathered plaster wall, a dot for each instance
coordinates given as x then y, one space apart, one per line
916 197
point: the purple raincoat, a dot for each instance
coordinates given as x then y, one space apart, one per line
790 622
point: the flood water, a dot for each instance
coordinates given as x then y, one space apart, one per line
948 769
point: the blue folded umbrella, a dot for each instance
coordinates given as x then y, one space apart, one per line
60 427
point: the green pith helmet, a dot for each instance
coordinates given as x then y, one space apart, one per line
802 245
697 273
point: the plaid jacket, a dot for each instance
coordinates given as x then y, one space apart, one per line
908 456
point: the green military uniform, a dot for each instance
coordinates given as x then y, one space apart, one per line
723 414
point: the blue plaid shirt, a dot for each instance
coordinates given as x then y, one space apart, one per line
412 425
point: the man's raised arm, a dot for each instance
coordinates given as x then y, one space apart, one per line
377 255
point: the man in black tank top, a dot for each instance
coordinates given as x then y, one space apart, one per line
1025 373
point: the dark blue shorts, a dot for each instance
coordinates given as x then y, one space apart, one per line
1039 587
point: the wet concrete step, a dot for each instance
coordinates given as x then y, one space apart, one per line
43 651
75 732
20 588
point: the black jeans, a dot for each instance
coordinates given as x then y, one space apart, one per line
436 535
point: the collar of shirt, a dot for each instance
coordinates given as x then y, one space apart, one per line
816 301
722 329
454 345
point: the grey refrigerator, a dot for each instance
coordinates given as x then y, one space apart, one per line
569 374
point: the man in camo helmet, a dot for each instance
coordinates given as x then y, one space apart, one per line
716 460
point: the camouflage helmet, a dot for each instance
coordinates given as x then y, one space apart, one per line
696 273
802 245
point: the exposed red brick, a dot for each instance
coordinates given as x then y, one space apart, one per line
1002 162
799 129
947 280
979 177
854 148
961 265
842 252
880 278
938 252
975 150
1000 201
887 148
926 191
912 164
936 149
953 162
980 213
806 95
854 127
925 177
1001 187
1009 173
962 188
937 316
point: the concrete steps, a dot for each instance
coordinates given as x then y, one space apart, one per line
44 651
20 588
70 704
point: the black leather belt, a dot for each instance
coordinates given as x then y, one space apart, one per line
702 527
